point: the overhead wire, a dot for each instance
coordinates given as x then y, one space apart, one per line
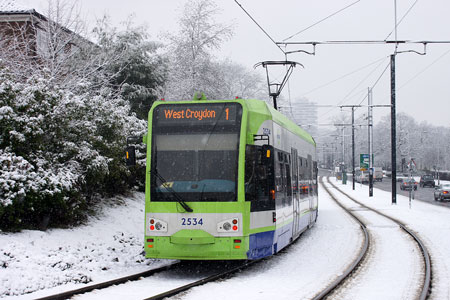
409 80
289 89
320 21
337 106
412 78
343 76
376 82
373 86
348 74
359 83
273 41
424 69
393 30
399 22
260 27
416 75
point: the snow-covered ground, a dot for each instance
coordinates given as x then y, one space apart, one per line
111 245
392 254
431 222
108 246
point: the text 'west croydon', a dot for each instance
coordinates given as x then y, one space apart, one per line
190 114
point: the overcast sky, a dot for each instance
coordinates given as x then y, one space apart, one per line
423 81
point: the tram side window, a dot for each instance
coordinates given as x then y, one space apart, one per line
294 171
303 178
288 181
257 177
310 174
250 176
255 174
280 156
278 177
282 178
288 200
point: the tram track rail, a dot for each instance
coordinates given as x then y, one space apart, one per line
425 290
330 288
356 261
212 278
134 277
106 284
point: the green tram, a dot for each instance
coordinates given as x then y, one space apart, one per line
226 180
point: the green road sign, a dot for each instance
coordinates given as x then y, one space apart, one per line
364 162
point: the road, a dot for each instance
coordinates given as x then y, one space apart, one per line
424 194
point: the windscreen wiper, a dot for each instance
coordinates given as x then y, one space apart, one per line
172 191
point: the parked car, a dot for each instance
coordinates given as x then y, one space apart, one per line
442 192
426 180
408 184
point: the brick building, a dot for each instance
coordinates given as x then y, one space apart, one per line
23 30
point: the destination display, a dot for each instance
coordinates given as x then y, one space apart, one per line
197 114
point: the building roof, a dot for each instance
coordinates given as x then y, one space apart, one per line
14 6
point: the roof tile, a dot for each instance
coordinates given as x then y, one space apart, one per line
14 6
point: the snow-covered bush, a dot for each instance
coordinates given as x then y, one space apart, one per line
58 150
139 71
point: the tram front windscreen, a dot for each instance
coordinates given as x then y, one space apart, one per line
195 152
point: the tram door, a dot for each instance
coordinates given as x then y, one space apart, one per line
295 194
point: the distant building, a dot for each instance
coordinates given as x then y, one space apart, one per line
305 114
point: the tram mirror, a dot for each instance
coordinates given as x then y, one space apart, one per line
130 156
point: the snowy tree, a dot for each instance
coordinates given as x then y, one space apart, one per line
139 72
406 129
228 80
425 143
65 114
191 62
382 143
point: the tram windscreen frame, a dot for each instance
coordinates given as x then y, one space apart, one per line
195 151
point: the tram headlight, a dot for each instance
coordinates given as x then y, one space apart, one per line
155 225
231 225
158 226
226 226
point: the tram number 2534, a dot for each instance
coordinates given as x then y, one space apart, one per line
191 221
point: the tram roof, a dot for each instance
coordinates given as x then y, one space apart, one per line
266 111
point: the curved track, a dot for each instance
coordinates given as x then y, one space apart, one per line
356 262
350 273
426 285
